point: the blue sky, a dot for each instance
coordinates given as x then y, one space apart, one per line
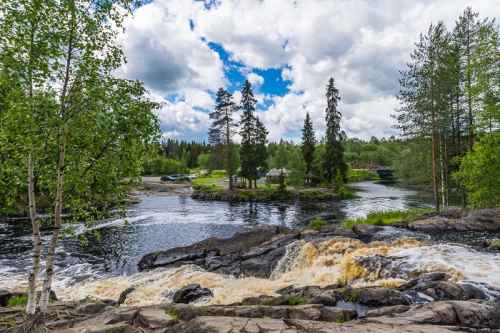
185 50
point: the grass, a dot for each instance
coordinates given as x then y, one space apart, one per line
210 181
317 223
173 313
296 300
15 301
494 244
387 218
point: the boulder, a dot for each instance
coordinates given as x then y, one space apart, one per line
476 220
124 294
154 318
191 293
377 297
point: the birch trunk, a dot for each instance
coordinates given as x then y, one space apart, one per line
31 306
49 271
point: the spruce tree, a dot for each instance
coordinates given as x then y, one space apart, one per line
260 147
334 166
222 130
248 134
308 143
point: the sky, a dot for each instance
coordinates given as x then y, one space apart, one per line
184 50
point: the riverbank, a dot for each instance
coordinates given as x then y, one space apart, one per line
272 194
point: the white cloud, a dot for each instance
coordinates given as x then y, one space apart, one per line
361 43
255 79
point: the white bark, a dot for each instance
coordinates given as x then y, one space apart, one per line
37 242
49 271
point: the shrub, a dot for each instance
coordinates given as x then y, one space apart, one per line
20 300
317 223
296 300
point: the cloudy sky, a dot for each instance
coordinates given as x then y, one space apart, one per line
184 50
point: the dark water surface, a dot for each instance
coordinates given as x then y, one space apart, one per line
160 222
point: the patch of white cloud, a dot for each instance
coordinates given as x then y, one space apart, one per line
361 43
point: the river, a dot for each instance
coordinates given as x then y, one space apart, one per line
113 247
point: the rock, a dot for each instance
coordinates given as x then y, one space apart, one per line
337 315
387 310
366 231
476 220
252 253
124 294
453 313
445 290
214 253
191 293
91 307
154 318
221 324
376 297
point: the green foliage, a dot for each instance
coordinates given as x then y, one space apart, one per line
296 300
317 223
351 295
494 244
387 218
15 301
333 159
308 143
204 161
480 172
413 165
174 313
160 166
358 175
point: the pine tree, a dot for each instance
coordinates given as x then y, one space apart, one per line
222 130
308 143
248 134
334 165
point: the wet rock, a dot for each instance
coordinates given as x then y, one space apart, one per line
376 297
191 293
387 310
366 231
124 294
476 220
385 267
252 253
444 290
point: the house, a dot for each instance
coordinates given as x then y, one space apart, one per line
274 175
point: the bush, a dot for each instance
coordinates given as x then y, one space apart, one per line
296 300
480 172
358 175
14 301
317 223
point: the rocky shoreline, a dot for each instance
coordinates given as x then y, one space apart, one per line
404 299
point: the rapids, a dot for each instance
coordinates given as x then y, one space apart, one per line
320 264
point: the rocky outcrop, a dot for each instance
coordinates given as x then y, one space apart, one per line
476 220
437 317
191 293
252 253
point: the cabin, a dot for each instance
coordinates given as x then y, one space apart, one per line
274 175
311 179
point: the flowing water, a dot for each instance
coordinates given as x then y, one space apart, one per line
106 263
